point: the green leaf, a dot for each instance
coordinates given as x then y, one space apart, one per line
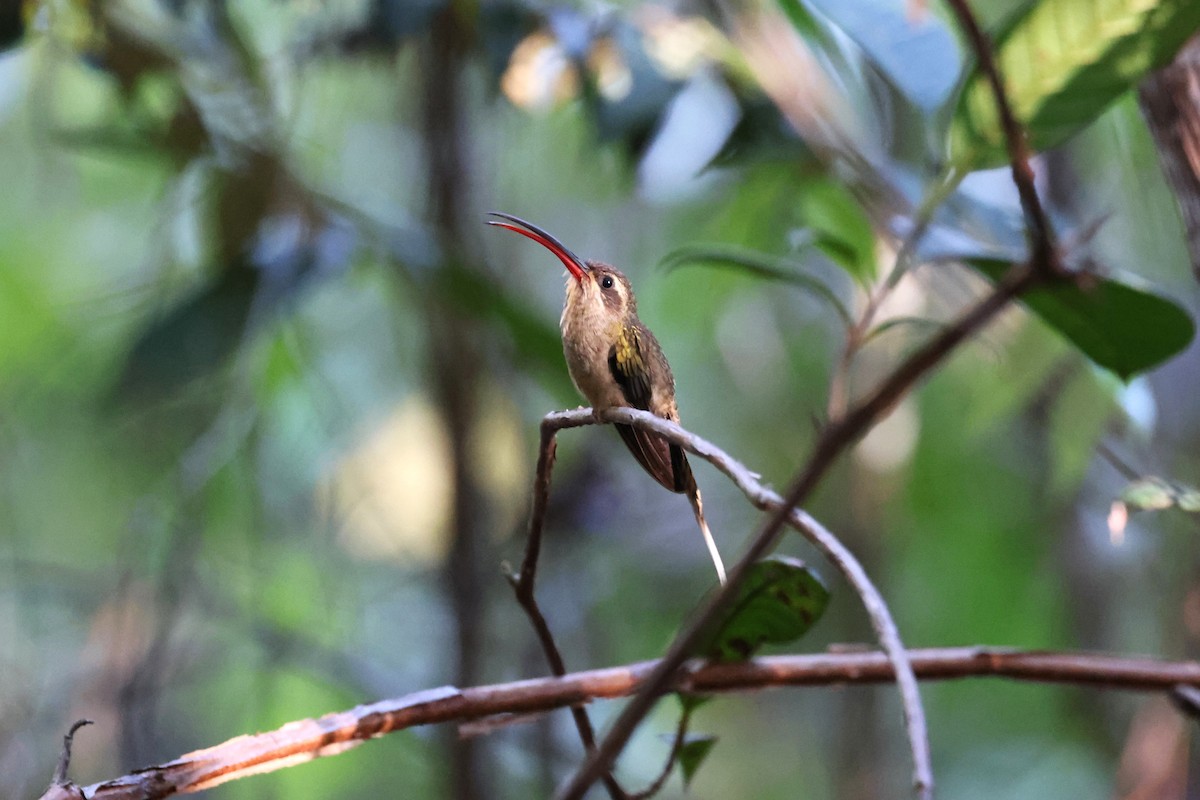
761 135
692 753
1064 62
760 265
1120 328
779 601
842 230
192 340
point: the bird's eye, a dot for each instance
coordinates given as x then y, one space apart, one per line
606 282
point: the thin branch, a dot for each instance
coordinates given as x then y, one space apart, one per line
1044 256
858 334
523 587
304 740
677 742
64 758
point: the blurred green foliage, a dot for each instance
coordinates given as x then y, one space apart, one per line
250 370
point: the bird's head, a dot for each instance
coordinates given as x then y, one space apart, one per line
594 289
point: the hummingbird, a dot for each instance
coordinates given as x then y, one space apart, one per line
615 362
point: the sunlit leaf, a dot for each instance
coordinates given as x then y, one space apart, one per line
778 602
1120 328
695 749
1188 499
758 264
1148 494
1064 62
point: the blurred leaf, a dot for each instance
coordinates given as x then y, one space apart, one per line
199 334
802 19
762 134
778 602
695 749
192 339
843 231
12 23
536 338
1148 494
624 90
915 52
1188 499
757 264
1082 413
1064 62
502 26
1120 328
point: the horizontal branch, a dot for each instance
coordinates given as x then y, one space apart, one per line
305 740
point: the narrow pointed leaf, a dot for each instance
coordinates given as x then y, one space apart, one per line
692 754
760 265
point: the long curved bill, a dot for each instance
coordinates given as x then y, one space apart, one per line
574 264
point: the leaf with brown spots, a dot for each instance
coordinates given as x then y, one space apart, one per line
778 602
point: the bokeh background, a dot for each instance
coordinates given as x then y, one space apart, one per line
269 388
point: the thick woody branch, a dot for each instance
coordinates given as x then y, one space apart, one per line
304 740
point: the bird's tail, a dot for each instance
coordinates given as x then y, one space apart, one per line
693 494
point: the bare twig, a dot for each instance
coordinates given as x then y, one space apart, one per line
523 587
304 740
677 741
64 758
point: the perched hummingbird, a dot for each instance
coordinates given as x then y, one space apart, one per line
615 361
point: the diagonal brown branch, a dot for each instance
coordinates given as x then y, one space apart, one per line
1044 256
304 740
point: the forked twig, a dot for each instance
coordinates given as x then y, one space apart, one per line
523 583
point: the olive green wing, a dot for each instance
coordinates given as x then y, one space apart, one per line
630 368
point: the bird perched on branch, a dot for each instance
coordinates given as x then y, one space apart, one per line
615 362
